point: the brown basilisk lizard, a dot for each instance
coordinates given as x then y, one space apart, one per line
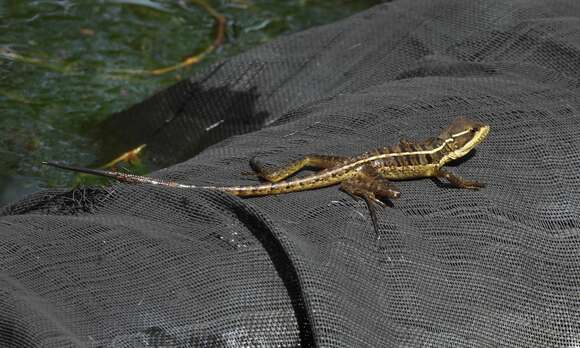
366 176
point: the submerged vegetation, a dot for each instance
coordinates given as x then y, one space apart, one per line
66 65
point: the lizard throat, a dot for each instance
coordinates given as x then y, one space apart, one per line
478 137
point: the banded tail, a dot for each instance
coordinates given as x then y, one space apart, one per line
306 183
122 177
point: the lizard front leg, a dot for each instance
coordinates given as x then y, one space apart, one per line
458 181
315 161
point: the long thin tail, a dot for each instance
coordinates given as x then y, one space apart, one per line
123 177
305 183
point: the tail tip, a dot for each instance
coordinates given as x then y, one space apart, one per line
47 163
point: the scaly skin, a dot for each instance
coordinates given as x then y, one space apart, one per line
367 176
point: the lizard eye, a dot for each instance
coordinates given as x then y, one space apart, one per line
472 130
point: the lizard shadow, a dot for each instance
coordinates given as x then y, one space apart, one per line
179 122
442 184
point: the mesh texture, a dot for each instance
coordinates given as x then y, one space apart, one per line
141 266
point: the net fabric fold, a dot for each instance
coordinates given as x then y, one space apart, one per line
137 266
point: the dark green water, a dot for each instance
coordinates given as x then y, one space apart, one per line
63 67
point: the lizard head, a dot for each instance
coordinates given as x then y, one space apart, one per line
462 136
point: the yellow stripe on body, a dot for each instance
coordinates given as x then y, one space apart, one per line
328 178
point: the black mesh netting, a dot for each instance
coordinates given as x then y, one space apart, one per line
140 266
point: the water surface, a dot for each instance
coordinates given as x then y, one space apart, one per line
64 67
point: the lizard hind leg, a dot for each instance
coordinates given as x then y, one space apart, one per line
315 161
368 187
